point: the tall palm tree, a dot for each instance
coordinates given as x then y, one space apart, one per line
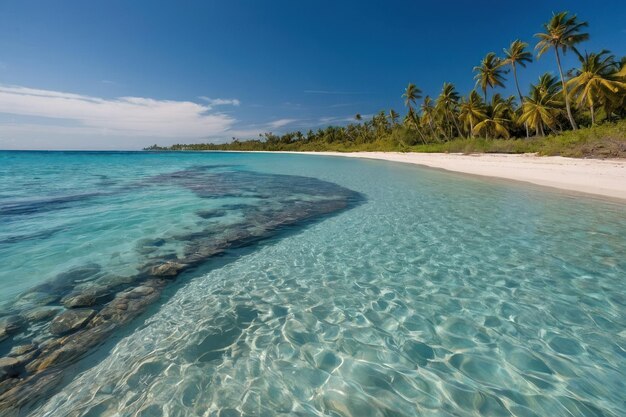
472 111
428 114
411 95
542 107
411 121
495 123
393 117
358 117
621 76
380 123
561 33
596 82
447 104
517 54
489 73
548 85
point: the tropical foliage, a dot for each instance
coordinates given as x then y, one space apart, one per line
591 94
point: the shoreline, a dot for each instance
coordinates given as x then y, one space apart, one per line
600 177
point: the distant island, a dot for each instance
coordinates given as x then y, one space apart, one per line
580 113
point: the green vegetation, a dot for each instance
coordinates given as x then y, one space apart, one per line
592 96
605 141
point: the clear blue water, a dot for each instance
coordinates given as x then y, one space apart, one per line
433 294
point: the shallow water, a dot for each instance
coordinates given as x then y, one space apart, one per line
432 294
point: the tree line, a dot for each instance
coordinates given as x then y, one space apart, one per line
592 93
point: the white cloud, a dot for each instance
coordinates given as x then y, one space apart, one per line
123 116
280 123
253 131
332 120
220 101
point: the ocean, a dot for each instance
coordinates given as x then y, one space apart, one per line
257 284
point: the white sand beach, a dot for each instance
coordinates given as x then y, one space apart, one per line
594 176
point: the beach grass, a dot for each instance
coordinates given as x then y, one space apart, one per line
605 141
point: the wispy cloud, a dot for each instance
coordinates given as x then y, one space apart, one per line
130 116
108 82
332 92
254 130
280 123
342 119
220 101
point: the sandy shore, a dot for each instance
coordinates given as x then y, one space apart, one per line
601 177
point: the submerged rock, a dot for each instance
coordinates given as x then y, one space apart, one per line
8 368
140 291
21 392
40 313
79 300
35 298
24 353
21 350
168 269
70 321
86 298
10 325
8 384
66 281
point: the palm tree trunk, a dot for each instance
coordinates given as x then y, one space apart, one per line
432 128
456 124
419 131
541 132
521 98
593 115
415 124
567 105
445 130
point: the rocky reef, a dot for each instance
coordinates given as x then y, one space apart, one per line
53 325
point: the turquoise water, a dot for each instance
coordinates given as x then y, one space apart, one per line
413 292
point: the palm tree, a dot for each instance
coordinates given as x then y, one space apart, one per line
411 95
517 54
472 111
409 120
428 114
596 82
447 104
562 32
393 117
358 117
548 85
495 123
380 123
542 106
489 73
621 76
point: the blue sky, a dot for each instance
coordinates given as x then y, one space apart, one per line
125 74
